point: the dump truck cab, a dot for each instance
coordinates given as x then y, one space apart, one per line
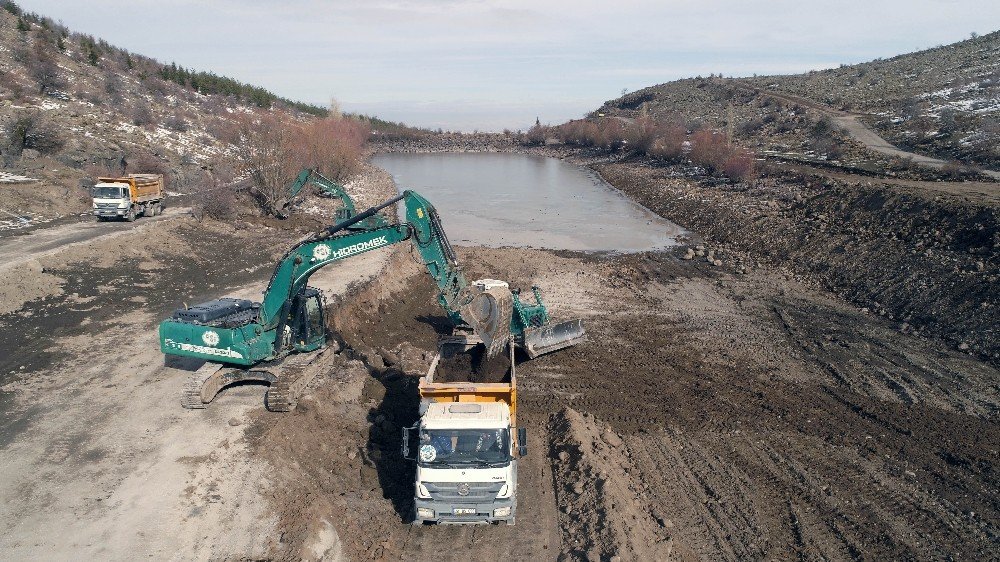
128 197
466 464
111 199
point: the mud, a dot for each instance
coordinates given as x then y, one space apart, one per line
473 366
722 412
709 416
920 258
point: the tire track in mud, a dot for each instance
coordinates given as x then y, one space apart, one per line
753 461
738 440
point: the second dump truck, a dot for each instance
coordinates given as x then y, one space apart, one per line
128 197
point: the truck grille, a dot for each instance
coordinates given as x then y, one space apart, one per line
462 492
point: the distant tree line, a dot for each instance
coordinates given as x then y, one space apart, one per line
209 83
93 51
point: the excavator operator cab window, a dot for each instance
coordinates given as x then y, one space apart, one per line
314 317
307 326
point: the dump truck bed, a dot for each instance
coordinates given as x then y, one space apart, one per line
144 187
505 392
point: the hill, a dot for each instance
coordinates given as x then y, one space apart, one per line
73 107
943 102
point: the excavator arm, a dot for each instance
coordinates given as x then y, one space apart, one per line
487 312
332 189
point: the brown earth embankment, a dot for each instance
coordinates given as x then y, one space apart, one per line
927 262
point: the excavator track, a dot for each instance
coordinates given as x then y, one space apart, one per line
287 379
191 398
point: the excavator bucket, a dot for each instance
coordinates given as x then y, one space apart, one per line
546 339
487 305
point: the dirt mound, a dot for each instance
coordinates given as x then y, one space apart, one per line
25 282
604 514
401 307
473 366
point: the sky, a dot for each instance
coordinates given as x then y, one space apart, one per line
489 65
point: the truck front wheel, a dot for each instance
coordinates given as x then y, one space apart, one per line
130 215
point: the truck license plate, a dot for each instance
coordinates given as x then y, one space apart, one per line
464 511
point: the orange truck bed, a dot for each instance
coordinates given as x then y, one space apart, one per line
469 391
144 187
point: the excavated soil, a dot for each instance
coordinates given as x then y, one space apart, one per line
708 416
719 412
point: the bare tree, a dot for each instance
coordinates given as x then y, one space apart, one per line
261 154
29 130
46 71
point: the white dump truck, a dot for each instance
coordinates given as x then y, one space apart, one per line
128 197
467 446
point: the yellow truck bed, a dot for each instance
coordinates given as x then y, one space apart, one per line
469 391
144 187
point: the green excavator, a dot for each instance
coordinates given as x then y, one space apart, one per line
277 340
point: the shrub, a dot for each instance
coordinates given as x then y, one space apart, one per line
332 145
713 151
114 87
31 130
269 152
579 132
640 135
175 123
44 69
709 149
213 200
147 163
739 166
141 114
536 134
670 144
610 134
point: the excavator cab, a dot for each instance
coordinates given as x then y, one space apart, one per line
308 325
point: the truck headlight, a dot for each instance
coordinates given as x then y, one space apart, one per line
502 512
122 205
504 491
425 513
422 491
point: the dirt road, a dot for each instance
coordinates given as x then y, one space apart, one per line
16 249
99 460
862 133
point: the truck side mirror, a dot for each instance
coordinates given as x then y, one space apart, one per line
406 443
522 441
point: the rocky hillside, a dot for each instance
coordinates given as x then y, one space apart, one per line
944 102
73 107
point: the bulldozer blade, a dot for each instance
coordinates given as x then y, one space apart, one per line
487 305
546 339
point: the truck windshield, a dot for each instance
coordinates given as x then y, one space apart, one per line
464 447
108 192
